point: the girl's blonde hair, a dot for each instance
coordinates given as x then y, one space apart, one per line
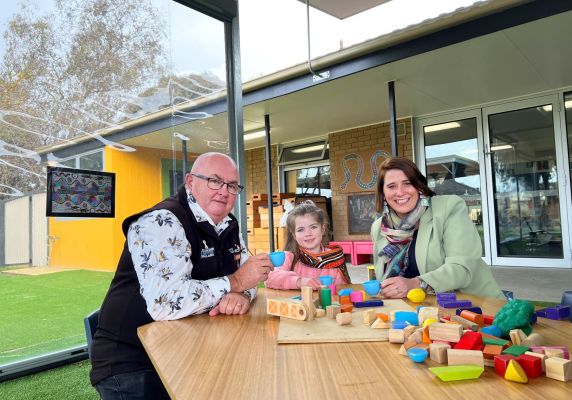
304 208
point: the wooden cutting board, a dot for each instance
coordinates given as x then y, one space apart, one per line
323 330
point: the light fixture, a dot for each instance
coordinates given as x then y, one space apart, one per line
180 136
441 127
547 108
308 149
568 104
501 147
254 135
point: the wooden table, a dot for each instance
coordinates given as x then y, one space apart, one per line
237 357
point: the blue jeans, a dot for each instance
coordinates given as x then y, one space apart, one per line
139 385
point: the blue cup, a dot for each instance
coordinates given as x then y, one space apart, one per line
418 355
326 280
277 258
371 287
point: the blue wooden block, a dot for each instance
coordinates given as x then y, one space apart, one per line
541 313
345 292
369 303
557 312
456 303
399 324
533 319
492 330
476 310
408 316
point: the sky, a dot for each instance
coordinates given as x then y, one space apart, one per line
273 32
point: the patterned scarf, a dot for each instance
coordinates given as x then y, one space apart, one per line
399 233
333 257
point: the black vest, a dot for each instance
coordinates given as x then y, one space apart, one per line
116 348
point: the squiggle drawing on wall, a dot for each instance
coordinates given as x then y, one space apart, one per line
372 161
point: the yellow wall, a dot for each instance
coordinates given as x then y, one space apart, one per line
98 243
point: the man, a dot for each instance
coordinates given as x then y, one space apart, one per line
182 257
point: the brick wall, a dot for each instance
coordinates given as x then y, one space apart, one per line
255 161
359 139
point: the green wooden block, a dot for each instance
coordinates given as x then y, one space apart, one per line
496 342
516 350
457 372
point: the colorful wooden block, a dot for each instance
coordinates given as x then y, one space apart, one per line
557 312
531 365
541 357
472 316
383 316
491 350
470 341
488 319
408 316
380 324
425 313
476 310
368 303
516 350
457 372
345 299
465 357
515 373
456 303
559 369
346 308
492 330
501 363
496 341
446 296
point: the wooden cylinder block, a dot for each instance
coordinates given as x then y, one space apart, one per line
344 318
471 316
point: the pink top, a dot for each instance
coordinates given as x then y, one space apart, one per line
286 277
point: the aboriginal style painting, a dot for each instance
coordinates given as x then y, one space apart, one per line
80 193
358 170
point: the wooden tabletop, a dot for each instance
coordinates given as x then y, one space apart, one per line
237 357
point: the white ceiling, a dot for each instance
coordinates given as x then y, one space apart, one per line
519 61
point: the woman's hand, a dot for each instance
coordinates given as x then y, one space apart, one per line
308 282
232 304
398 287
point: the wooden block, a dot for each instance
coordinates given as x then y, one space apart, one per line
515 373
409 330
380 324
471 316
438 352
515 350
320 312
501 363
369 316
332 311
428 313
287 308
517 336
465 323
457 372
492 350
396 336
465 357
559 369
345 300
489 363
308 300
347 308
383 316
550 353
344 318
403 350
425 335
470 341
540 356
416 336
531 365
446 332
534 339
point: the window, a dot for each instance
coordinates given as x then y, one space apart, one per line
304 153
92 161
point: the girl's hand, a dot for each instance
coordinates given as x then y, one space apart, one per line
398 287
308 282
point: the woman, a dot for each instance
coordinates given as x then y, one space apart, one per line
423 240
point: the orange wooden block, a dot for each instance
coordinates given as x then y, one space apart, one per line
347 308
345 300
491 350
426 338
383 317
473 317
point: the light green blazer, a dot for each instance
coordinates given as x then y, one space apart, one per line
448 250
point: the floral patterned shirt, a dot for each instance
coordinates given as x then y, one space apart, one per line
161 255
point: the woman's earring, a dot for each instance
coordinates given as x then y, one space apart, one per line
385 208
424 200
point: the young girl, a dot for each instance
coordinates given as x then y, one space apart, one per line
306 258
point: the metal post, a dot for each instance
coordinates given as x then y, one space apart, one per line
269 179
392 118
184 150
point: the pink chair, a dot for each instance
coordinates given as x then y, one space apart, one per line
361 252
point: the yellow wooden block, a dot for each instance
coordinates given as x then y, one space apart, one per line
428 322
515 373
416 295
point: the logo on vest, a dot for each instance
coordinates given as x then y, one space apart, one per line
207 251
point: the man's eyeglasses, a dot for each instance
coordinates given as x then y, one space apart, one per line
216 184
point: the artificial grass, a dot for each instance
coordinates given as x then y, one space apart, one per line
44 313
69 382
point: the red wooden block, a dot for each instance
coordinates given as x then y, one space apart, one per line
501 362
531 365
446 317
488 319
470 341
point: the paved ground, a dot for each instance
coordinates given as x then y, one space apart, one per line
542 284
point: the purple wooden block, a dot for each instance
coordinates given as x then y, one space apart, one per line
446 296
476 310
456 303
541 313
557 312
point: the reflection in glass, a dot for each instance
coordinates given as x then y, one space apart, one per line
568 116
525 183
314 181
452 165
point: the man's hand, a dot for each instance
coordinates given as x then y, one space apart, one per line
314 283
232 304
398 287
254 270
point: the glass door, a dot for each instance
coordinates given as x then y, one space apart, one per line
451 161
523 149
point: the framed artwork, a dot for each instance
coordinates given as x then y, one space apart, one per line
361 213
80 193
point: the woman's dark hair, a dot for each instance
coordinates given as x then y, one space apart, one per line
410 170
